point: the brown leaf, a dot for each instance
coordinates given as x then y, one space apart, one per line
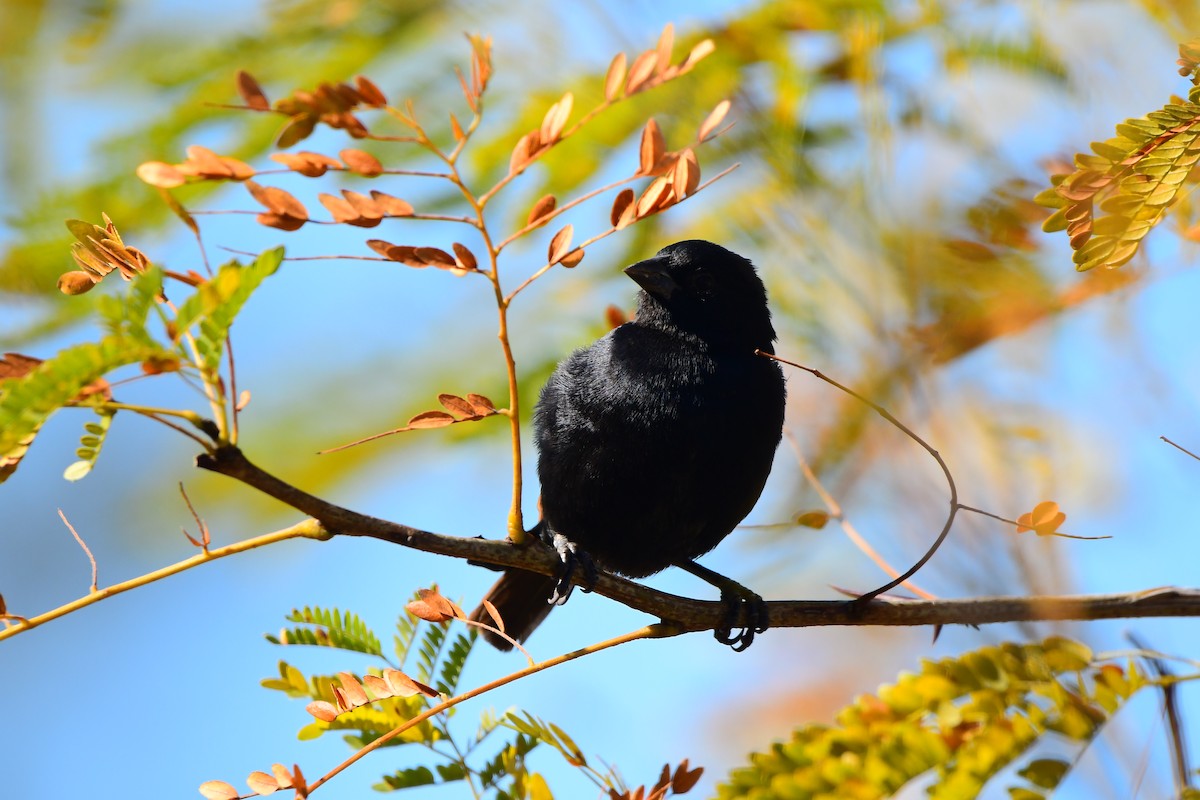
299 128
494 613
206 163
15 365
456 405
355 694
378 686
361 162
433 607
699 51
307 163
664 779
395 252
436 257
666 43
262 783
684 778
523 153
686 176
556 119
340 208
542 208
400 684
277 200
614 78
483 406
164 176
75 282
281 221
572 259
369 92
322 710
560 244
652 199
218 790
252 94
364 205
641 71
282 776
466 259
391 206
713 121
653 147
621 202
431 419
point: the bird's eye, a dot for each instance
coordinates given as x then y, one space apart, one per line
704 285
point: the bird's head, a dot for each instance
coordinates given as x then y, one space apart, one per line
703 289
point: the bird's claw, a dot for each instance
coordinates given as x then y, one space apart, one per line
756 615
572 558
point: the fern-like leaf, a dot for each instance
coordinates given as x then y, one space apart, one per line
963 719
507 761
125 315
217 301
455 660
429 652
332 628
26 402
1121 190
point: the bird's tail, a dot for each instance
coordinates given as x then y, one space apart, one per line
520 598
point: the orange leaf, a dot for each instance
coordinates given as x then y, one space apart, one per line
251 92
353 690
391 206
699 51
456 129
281 221
378 686
456 405
556 119
481 404
542 208
400 684
322 710
364 205
218 790
615 317
466 259
297 130
277 200
713 120
1044 520
653 197
369 92
436 257
686 176
813 519
361 162
614 78
560 245
653 147
340 208
262 783
572 259
666 43
431 419
621 202
282 776
164 176
494 613
640 71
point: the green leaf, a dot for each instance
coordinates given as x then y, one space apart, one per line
216 303
332 628
455 660
26 402
91 443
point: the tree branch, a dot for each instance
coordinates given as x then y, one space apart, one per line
690 615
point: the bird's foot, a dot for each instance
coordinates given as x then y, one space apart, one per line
572 558
756 619
739 602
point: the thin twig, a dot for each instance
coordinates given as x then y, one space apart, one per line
83 544
883 412
1175 729
835 511
1178 447
308 529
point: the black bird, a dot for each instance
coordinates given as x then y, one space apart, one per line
655 441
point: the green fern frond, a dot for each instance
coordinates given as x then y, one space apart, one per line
963 719
549 733
508 760
26 402
337 629
125 315
430 651
217 301
406 779
455 660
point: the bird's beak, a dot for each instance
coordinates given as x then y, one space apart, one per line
652 276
